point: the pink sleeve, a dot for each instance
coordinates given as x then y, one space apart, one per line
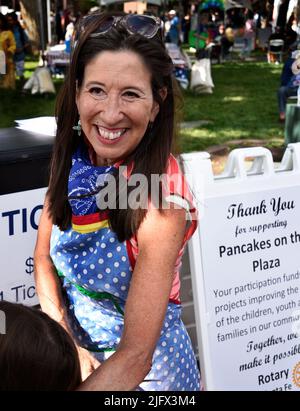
175 185
178 186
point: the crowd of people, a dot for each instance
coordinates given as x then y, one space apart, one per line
14 44
203 28
208 29
210 32
211 37
289 81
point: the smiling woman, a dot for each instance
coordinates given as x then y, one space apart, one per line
115 104
99 268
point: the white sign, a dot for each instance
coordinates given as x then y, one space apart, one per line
45 125
19 218
249 266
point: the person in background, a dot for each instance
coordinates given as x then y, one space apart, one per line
264 31
227 41
8 46
287 88
36 353
199 38
69 36
58 26
236 18
185 28
99 270
22 43
172 28
224 41
249 33
291 32
282 13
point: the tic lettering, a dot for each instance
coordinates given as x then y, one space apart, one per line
21 219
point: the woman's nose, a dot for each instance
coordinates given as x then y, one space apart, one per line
111 111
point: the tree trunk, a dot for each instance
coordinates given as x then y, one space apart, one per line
31 17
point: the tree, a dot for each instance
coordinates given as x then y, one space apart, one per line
31 16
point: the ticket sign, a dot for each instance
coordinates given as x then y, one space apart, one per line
249 266
19 218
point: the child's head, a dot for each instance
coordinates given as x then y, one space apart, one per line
36 353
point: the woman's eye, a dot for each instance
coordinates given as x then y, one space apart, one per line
131 94
96 91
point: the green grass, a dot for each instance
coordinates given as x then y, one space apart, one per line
15 106
243 106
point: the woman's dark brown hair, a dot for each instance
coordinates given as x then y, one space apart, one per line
152 153
36 353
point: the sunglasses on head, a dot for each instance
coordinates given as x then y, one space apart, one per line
144 25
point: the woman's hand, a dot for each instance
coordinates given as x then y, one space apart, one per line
88 362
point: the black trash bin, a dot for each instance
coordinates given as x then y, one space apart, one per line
24 175
24 160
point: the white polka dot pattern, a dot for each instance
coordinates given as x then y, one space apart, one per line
103 266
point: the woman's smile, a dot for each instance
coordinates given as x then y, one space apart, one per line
110 136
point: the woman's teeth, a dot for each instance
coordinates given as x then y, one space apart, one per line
111 135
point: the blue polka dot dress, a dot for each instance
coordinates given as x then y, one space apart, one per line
95 271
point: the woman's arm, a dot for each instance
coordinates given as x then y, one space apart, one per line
49 288
47 282
160 239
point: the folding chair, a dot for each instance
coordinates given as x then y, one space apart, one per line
275 49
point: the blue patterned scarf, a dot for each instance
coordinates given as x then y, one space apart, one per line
85 179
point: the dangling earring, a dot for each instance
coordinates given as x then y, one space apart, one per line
77 128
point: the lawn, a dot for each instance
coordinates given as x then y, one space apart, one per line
243 106
15 106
